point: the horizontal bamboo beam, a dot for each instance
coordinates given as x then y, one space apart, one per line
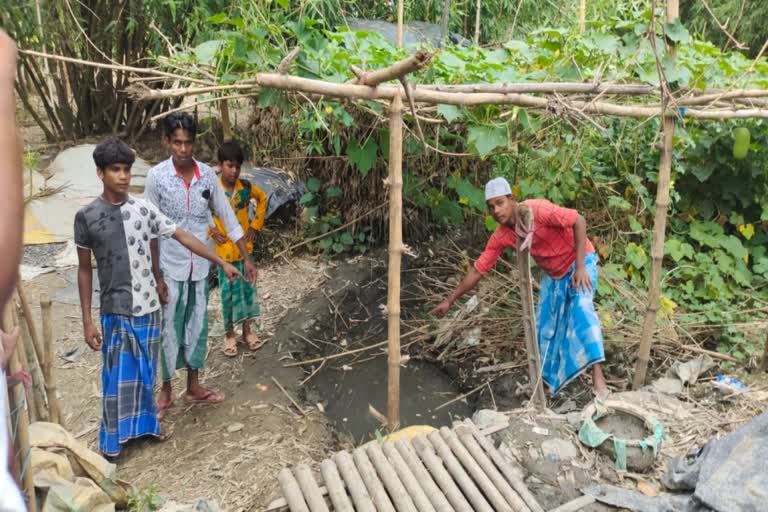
462 95
421 95
397 70
549 88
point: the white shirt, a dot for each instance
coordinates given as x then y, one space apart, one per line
189 207
10 497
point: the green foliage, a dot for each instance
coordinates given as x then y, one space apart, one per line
322 222
145 499
718 223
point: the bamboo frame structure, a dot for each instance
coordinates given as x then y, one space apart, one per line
37 410
395 183
659 231
529 315
54 410
546 97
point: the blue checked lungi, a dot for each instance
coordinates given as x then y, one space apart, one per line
130 349
568 330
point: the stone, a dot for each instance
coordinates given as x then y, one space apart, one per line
485 418
562 449
668 386
574 419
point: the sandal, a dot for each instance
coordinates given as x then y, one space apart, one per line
230 346
209 397
253 341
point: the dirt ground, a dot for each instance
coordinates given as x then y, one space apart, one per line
230 452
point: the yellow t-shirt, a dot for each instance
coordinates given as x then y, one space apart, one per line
239 198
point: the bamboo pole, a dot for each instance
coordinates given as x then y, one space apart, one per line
35 371
226 122
335 486
54 410
525 215
375 487
395 183
30 321
24 364
355 485
557 87
440 474
408 478
444 20
115 67
400 9
22 420
510 495
582 14
481 478
459 474
292 492
421 475
422 95
477 23
415 62
659 230
400 497
310 489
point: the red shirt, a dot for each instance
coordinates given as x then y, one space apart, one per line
553 247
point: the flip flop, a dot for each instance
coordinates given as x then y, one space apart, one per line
209 397
253 342
165 434
230 346
162 408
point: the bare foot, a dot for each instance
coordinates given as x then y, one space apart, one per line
598 383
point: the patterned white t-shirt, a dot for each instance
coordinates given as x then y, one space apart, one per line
119 236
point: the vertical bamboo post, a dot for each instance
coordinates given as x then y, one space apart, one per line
226 123
38 412
764 365
444 20
659 226
21 353
54 411
395 182
30 322
529 323
477 23
400 23
22 420
582 14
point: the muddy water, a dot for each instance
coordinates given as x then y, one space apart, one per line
423 388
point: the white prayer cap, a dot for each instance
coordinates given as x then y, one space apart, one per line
497 187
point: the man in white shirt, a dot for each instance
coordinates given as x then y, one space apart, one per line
187 192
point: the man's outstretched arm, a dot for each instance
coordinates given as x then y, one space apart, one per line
466 284
11 196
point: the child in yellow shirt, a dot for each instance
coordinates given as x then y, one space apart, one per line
239 300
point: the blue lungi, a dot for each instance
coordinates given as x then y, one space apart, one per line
131 347
568 329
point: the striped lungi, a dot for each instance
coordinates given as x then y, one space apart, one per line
130 350
568 329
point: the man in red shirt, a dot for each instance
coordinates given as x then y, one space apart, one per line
568 329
